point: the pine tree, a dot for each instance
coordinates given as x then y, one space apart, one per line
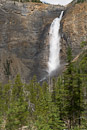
83 71
17 90
42 107
6 97
17 114
60 98
47 112
79 98
32 90
68 85
1 105
74 97
1 98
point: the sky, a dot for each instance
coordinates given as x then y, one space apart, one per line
56 2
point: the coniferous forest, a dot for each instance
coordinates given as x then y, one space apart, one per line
62 105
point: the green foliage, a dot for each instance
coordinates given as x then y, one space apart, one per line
7 70
74 96
6 96
38 1
17 91
83 44
1 98
16 115
80 1
35 106
69 107
83 63
1 120
47 112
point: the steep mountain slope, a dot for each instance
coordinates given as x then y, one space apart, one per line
74 26
24 35
24 38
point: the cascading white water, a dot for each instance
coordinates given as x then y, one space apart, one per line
54 42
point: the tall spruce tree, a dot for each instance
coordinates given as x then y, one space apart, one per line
68 85
79 97
83 71
47 112
56 105
73 93
18 112
60 98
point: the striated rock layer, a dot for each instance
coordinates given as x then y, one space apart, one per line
24 34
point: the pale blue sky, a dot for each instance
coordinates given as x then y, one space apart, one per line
56 2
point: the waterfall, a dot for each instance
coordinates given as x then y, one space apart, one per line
54 42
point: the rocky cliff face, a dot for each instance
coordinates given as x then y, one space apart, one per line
74 27
24 34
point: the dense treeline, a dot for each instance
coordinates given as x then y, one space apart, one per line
63 105
80 1
27 1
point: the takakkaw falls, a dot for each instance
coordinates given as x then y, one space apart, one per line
54 42
54 47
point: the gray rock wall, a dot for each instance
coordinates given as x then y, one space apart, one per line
24 34
74 27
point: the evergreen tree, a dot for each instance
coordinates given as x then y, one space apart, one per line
47 112
17 90
83 71
68 85
1 99
6 97
60 97
17 114
74 97
1 105
79 97
42 108
32 94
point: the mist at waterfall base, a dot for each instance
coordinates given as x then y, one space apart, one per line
56 2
